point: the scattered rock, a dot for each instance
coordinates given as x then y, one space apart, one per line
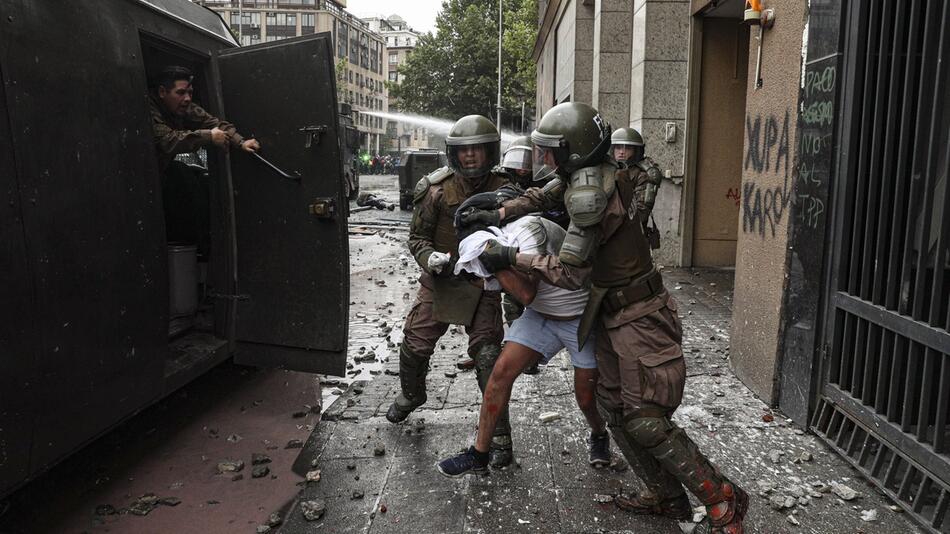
274 520
357 494
263 529
169 501
382 508
775 456
768 418
105 509
259 458
451 374
351 466
313 476
234 438
144 504
603 499
313 510
781 502
230 466
844 492
869 515
380 449
793 520
294 444
260 471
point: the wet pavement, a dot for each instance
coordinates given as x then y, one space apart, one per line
356 472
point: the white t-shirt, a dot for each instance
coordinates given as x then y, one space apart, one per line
531 235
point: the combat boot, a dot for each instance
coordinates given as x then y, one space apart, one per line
647 503
500 452
725 502
412 380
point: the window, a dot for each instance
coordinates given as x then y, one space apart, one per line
307 23
341 39
393 58
392 76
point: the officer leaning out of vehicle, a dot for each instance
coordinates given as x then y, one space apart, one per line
472 147
180 126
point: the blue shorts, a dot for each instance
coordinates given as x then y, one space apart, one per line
548 337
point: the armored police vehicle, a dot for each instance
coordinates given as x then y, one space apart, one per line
101 315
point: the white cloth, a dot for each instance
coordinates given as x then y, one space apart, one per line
530 235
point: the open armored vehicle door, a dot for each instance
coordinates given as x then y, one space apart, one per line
291 273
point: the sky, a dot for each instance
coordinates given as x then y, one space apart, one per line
419 14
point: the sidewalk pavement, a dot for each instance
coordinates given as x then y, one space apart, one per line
380 478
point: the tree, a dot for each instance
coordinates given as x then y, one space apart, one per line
453 72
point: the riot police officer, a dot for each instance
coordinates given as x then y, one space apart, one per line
472 147
517 162
627 149
639 334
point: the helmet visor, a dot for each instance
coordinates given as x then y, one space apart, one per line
518 158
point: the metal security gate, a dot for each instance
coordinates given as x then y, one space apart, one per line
885 389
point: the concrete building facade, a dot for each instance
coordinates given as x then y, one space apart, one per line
400 41
359 50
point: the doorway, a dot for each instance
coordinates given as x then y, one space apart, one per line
723 74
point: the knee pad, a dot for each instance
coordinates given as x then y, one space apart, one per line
649 431
486 356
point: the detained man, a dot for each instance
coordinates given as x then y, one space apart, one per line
548 325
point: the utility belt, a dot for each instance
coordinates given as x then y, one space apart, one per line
641 289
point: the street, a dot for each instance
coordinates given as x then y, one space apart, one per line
167 468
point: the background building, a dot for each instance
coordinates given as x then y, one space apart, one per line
358 49
400 40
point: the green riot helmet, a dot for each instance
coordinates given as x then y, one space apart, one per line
468 132
576 134
518 155
626 145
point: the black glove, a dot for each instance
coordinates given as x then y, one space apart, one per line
473 216
497 257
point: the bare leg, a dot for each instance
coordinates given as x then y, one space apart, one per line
585 382
513 360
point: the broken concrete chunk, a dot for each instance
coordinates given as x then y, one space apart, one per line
844 492
263 529
260 471
169 501
775 456
259 458
294 444
380 449
793 520
313 510
313 476
357 494
869 515
547 417
274 520
230 466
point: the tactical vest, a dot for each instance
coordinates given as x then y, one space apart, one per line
626 255
445 239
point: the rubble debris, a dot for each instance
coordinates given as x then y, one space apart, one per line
230 466
547 417
169 501
313 510
869 515
144 504
843 491
294 444
382 508
793 520
603 499
380 449
262 529
105 509
768 418
234 438
274 520
357 494
775 456
313 476
351 466
260 471
259 458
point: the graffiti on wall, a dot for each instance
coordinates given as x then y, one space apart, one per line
767 153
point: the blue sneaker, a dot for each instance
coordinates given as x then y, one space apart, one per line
470 461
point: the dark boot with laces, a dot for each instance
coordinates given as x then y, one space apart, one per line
598 449
469 462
